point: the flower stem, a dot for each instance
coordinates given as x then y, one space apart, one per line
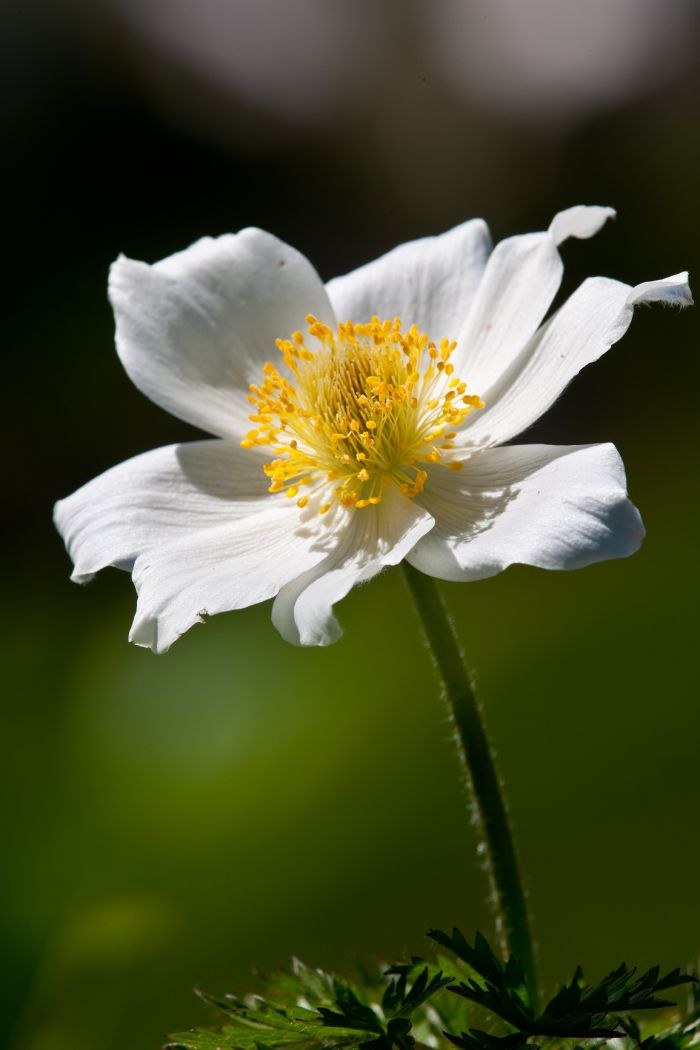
490 808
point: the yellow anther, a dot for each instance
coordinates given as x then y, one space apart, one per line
456 465
307 411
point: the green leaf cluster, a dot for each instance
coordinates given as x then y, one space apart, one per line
419 1004
313 1010
578 1010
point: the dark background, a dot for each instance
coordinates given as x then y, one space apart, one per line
170 821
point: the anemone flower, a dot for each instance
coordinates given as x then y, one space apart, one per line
356 424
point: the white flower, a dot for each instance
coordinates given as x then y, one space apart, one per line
374 435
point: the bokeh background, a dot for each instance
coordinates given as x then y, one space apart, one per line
170 821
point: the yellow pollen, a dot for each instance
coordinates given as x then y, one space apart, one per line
374 395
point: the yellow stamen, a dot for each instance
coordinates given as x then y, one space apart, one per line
374 394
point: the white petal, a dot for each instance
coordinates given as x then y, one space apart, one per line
594 317
156 498
582 221
672 290
556 507
373 538
519 283
429 282
227 566
195 329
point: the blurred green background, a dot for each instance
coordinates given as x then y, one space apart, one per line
169 821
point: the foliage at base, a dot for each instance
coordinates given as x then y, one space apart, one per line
470 999
578 1011
307 1008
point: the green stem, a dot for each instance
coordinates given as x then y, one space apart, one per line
490 808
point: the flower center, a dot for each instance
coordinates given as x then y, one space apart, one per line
368 405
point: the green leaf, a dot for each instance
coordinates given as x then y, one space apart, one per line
577 1011
503 991
401 1001
312 1010
351 1013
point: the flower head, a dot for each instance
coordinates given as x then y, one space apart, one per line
356 424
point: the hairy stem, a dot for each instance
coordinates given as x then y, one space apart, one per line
490 808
